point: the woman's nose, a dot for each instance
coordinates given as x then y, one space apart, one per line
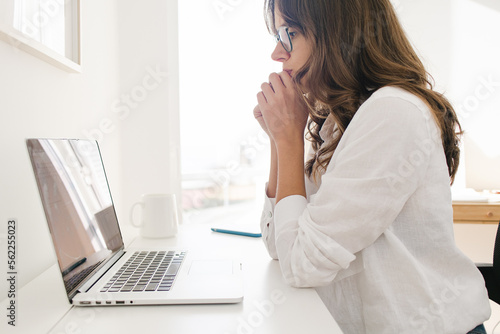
279 53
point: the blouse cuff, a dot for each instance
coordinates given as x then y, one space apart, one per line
267 225
269 204
289 209
268 210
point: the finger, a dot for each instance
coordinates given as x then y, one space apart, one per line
267 90
276 82
256 111
287 79
261 99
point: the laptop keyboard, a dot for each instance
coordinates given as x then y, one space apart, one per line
146 271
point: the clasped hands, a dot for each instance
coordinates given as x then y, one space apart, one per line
281 111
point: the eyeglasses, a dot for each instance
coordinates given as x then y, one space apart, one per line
283 36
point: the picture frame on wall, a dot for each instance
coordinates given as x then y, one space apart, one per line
47 29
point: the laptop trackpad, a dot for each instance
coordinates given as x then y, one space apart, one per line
207 267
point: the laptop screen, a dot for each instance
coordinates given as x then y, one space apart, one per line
77 204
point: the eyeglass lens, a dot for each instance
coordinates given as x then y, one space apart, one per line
284 37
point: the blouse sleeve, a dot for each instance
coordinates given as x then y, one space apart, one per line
378 164
267 226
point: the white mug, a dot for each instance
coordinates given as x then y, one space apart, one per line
158 217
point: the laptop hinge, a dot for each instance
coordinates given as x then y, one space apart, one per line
103 270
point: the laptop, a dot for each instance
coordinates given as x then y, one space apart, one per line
95 266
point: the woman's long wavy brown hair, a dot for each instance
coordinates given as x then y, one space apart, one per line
358 47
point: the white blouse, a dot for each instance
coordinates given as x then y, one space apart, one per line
375 235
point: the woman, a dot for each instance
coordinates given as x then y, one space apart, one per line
367 220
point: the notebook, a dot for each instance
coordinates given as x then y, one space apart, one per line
95 266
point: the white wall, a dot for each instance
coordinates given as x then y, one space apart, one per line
123 49
40 100
475 86
428 24
458 42
150 131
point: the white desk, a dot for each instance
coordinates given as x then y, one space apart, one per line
269 306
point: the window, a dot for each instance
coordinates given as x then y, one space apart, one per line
224 57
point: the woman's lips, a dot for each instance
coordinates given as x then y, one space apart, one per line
288 71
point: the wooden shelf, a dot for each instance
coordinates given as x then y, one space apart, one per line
476 213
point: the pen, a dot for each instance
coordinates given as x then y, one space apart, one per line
246 234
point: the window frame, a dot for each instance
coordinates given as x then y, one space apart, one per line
22 41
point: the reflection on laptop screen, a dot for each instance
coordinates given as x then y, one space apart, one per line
77 204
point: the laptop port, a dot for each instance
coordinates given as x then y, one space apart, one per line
120 302
98 303
108 302
85 303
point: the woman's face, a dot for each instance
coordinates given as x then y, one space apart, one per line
294 60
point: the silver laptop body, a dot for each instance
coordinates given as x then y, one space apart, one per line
95 266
